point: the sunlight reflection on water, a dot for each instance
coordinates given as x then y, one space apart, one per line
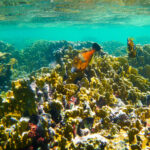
78 12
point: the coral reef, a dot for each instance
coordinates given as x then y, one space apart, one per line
5 47
104 107
39 54
7 65
5 71
142 60
16 64
44 53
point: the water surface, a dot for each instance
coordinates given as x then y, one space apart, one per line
23 22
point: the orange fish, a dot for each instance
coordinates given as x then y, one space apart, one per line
81 61
131 48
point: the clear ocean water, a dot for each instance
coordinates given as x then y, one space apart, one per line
23 22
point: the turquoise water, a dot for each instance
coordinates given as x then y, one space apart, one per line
83 20
22 36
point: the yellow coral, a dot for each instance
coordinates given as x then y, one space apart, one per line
54 79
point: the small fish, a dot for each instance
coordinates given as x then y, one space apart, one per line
131 48
81 61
